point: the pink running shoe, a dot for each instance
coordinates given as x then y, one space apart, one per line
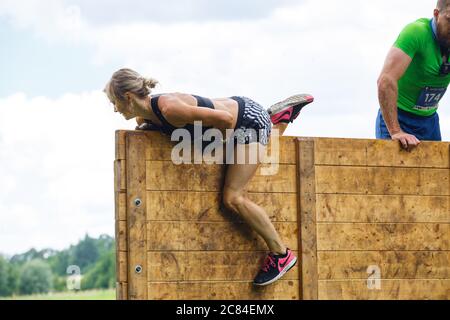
288 110
274 268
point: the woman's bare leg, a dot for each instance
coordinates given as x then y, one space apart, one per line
235 198
281 127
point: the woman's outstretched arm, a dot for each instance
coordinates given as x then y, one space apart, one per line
176 110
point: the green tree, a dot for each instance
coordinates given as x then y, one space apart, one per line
104 244
95 258
13 279
85 253
59 262
31 254
102 275
36 277
4 278
59 283
8 278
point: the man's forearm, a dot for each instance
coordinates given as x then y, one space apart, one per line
387 96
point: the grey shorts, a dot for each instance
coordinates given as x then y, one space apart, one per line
253 124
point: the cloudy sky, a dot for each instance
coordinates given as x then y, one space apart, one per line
57 128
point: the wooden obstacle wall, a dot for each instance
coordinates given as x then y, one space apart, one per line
343 205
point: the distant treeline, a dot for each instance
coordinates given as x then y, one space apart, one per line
46 271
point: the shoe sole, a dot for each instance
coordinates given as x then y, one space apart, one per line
290 102
282 273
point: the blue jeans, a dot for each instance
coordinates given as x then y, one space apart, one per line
423 128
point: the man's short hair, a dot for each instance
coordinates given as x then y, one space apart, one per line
442 4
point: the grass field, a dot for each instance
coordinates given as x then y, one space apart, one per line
83 295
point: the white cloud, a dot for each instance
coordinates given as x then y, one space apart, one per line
56 154
104 12
321 47
49 19
56 168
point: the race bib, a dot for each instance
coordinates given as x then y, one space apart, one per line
429 98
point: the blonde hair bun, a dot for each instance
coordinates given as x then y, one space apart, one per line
150 83
127 80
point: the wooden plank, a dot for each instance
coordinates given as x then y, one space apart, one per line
159 148
280 290
208 266
116 204
434 182
379 153
120 183
117 176
342 180
165 176
390 153
136 227
364 236
379 181
121 291
121 205
390 290
122 266
342 152
390 209
286 150
207 206
123 175
121 235
340 265
216 236
121 144
307 218
284 181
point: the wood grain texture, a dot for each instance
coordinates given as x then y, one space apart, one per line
390 209
122 235
122 266
390 290
307 219
120 206
120 215
136 220
345 265
340 152
390 153
379 153
345 204
207 206
120 176
121 144
382 181
364 236
122 291
208 266
204 236
164 176
159 148
281 290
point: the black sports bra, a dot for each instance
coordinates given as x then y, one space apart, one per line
166 127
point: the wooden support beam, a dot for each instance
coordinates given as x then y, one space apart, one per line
307 217
136 217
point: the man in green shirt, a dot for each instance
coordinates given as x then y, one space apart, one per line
414 78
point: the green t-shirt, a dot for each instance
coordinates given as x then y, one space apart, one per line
421 87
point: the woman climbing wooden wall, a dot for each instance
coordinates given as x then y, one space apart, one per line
371 222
